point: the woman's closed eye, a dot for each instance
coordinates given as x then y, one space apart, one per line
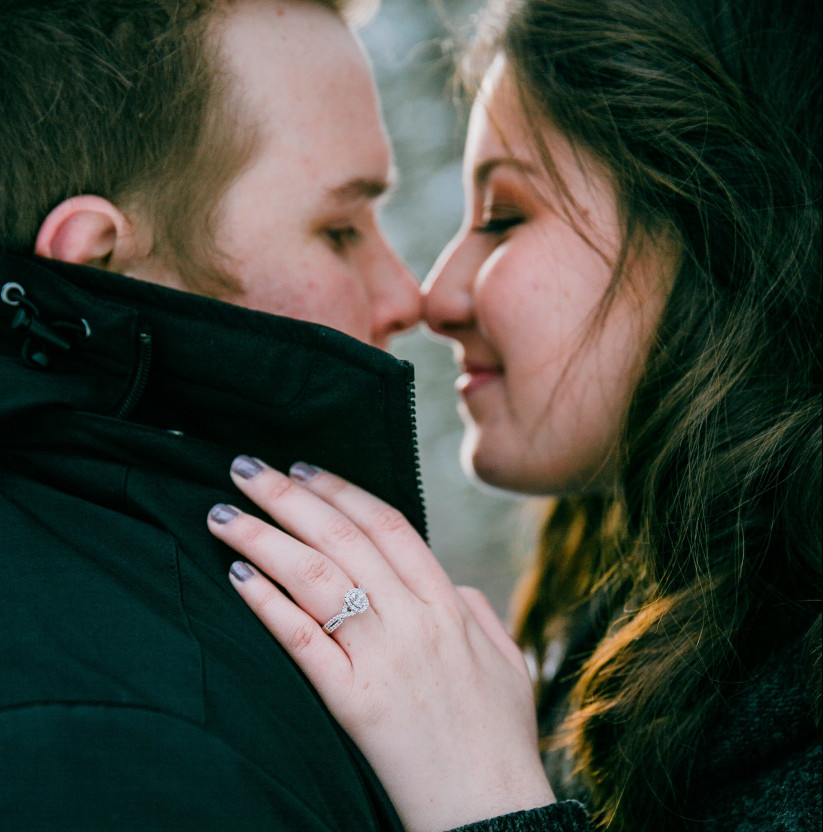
498 220
498 225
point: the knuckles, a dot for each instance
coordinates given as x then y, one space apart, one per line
389 519
261 605
276 487
328 485
313 570
301 637
342 530
251 531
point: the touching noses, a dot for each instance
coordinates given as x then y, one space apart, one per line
448 304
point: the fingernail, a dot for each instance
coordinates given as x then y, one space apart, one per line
303 472
246 467
241 571
221 513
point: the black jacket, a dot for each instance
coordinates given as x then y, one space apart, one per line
137 691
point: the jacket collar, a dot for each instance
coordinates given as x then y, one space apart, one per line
254 383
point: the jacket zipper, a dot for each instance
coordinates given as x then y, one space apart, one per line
141 375
412 407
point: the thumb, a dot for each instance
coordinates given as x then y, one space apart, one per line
492 626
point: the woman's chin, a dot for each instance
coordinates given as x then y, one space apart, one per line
488 468
487 464
478 467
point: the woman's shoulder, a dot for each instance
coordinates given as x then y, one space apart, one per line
761 762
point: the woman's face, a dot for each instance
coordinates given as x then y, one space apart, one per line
544 387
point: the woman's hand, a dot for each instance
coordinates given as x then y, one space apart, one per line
426 681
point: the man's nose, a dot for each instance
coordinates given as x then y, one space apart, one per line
448 304
397 303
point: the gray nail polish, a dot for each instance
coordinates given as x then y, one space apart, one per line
241 571
303 472
246 467
221 513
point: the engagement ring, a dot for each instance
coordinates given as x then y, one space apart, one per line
356 601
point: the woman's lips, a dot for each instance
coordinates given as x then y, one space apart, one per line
475 376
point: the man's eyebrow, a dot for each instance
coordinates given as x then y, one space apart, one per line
360 189
484 170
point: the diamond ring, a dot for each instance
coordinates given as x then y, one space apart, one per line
355 602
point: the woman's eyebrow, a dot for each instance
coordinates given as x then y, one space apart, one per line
484 170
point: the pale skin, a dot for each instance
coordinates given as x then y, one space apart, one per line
427 681
298 229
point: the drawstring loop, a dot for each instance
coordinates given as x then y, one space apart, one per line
41 339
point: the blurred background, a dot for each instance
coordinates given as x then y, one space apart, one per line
482 537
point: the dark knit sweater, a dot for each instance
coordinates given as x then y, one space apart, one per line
760 767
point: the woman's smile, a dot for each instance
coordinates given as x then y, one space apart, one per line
518 290
474 376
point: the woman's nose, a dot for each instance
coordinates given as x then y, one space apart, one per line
448 304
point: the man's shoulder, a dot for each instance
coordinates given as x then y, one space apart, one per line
90 607
119 638
95 766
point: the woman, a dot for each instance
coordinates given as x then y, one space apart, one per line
633 298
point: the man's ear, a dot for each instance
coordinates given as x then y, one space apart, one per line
89 231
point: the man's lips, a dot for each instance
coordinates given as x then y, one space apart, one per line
475 376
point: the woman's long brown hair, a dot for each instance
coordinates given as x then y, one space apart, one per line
708 115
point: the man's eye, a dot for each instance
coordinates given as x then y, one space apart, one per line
343 237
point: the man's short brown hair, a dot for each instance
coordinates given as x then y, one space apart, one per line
124 99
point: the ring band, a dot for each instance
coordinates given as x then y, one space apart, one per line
355 602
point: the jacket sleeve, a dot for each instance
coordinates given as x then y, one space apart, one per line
96 768
568 816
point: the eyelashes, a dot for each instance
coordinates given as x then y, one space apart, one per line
499 225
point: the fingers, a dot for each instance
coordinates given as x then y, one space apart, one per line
315 582
318 655
392 535
315 522
337 537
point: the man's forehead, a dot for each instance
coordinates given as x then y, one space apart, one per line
285 59
307 91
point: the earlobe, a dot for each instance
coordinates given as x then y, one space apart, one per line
86 230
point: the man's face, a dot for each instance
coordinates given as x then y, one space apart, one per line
299 228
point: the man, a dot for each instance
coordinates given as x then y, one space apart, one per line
232 150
